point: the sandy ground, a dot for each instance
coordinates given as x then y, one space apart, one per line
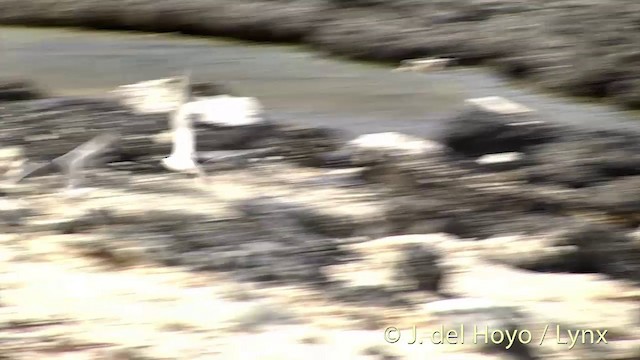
60 301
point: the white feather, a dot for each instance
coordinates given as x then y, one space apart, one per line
182 157
226 110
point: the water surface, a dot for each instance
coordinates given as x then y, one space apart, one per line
295 84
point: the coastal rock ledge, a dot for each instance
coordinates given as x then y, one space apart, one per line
402 231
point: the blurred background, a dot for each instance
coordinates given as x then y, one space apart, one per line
422 167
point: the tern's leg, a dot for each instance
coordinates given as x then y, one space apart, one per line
201 175
75 178
75 173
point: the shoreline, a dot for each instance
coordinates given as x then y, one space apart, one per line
547 46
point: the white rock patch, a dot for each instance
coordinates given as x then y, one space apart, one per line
396 142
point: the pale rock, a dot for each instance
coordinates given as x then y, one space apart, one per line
11 161
13 211
499 158
635 236
424 64
498 104
524 251
579 300
469 316
501 161
395 143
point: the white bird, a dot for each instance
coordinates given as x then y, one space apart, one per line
183 151
220 110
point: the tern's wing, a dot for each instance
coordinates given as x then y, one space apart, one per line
186 94
224 155
75 161
91 149
30 169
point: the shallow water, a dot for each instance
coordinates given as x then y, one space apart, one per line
295 84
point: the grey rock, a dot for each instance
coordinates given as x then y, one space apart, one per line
17 90
477 131
501 161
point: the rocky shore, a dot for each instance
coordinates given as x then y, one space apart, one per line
509 221
580 48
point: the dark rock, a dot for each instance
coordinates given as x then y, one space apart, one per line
484 224
579 248
124 354
542 251
264 315
49 128
121 253
305 145
288 215
204 89
475 132
16 90
421 265
371 295
336 159
379 352
604 250
446 192
404 212
211 138
257 247
618 197
586 158
626 92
